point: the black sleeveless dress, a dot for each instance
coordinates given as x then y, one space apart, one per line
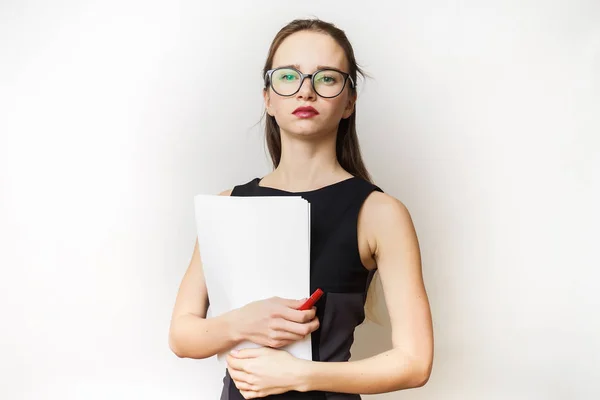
335 267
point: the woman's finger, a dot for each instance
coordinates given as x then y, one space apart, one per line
240 377
281 334
247 353
241 385
235 363
298 316
248 394
300 330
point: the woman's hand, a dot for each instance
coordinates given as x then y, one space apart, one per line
274 322
265 371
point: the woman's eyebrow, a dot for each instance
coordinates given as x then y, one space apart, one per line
298 66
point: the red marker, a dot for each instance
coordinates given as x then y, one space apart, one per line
311 300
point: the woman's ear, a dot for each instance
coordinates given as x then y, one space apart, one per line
267 99
350 106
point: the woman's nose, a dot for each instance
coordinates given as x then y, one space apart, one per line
306 90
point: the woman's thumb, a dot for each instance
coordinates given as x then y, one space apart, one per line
298 303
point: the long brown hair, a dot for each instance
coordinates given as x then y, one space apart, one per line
347 147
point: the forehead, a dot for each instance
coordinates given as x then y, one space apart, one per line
310 49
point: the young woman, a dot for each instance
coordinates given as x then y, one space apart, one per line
310 93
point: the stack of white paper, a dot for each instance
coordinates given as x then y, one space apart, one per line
254 248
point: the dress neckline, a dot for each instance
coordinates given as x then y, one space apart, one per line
323 188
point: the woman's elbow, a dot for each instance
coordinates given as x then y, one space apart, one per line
177 352
422 372
420 380
174 344
178 342
182 347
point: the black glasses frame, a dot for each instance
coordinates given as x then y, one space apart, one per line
269 80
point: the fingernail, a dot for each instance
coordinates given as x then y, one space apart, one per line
233 352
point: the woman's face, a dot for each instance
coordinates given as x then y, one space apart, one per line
309 51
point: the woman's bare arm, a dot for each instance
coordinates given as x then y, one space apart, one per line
191 334
408 364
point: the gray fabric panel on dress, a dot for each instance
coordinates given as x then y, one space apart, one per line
343 313
225 391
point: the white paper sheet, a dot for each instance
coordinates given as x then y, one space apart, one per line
254 248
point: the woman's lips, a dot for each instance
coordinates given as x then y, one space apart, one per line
305 112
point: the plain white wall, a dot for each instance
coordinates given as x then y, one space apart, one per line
482 117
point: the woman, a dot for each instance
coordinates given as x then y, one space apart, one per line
310 93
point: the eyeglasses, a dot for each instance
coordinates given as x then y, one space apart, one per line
327 83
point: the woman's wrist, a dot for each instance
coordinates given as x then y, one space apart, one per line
304 375
236 334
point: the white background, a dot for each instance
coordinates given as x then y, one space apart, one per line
481 116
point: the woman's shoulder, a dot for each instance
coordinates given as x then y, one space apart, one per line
379 201
384 211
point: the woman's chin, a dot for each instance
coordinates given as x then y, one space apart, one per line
307 131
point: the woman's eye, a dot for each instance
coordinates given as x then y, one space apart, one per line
287 77
327 79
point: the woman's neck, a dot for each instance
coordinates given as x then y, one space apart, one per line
306 164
